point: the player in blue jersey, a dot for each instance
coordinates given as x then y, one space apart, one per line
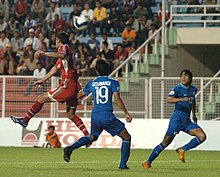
183 96
102 117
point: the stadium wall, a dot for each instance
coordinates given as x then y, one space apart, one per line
146 134
194 48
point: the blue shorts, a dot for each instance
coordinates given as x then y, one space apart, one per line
180 123
105 121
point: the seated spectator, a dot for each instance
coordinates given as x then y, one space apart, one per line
74 43
100 18
43 39
144 26
114 21
152 30
159 14
78 53
59 24
4 9
88 13
125 15
156 21
10 58
3 40
29 49
93 43
82 66
32 39
38 9
87 53
40 29
140 11
30 22
43 59
92 71
29 66
17 42
131 4
109 41
52 140
51 14
2 62
52 42
21 61
120 56
108 54
156 38
3 24
128 36
39 73
20 10
13 25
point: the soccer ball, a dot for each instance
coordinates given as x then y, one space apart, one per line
46 145
81 22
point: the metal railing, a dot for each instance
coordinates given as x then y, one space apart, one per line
143 100
200 15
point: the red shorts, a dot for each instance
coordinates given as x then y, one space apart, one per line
66 93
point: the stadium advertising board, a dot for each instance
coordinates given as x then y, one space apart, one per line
146 133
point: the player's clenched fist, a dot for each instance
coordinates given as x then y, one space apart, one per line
37 54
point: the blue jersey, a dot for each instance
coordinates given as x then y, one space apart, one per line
180 91
102 89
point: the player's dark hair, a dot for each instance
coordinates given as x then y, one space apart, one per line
63 37
102 67
188 73
51 126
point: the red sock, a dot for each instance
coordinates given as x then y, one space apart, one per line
32 111
78 122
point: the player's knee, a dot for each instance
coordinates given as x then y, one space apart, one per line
202 137
127 137
41 98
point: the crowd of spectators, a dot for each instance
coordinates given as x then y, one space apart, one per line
30 25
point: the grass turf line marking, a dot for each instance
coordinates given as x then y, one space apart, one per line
99 162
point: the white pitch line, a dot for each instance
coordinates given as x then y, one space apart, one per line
98 162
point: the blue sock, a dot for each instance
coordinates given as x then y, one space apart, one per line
157 150
81 142
125 153
192 144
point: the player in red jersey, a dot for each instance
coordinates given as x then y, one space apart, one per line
65 92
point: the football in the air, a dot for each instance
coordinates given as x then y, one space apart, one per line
81 22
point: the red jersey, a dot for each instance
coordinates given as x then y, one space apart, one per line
67 65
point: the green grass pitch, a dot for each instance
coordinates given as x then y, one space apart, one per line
37 162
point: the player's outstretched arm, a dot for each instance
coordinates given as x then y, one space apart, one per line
51 54
48 76
122 106
175 100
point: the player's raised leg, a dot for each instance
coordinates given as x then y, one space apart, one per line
78 122
125 148
200 137
35 108
157 150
